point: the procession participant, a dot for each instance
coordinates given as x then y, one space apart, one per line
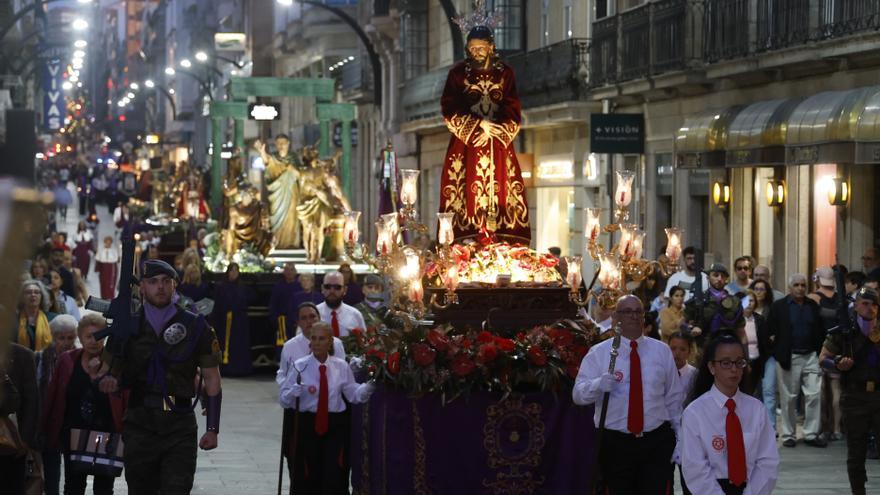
373 301
717 311
716 456
107 267
159 365
645 405
481 181
298 346
85 247
855 352
341 317
230 317
317 385
681 345
282 311
307 294
354 294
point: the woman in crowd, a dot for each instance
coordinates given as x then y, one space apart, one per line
230 318
298 346
63 329
85 248
74 402
107 266
763 297
308 292
64 303
726 441
672 316
40 271
34 316
315 389
20 398
757 342
192 285
354 294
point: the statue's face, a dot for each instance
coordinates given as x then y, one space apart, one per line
282 145
480 50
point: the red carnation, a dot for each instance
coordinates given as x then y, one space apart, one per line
357 332
423 354
438 340
394 363
562 338
548 260
465 343
488 353
376 353
462 365
537 356
505 345
484 337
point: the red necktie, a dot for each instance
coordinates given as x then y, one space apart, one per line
335 323
736 449
322 418
635 418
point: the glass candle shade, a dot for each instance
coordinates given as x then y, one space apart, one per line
594 224
450 278
350 230
674 237
627 240
445 234
623 193
638 245
609 276
383 239
392 225
573 277
409 186
416 293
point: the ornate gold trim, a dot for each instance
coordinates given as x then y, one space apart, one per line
513 474
419 484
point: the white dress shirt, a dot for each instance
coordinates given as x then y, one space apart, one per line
107 255
687 374
340 380
347 316
661 385
297 348
703 444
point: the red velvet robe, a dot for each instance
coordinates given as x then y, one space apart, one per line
466 184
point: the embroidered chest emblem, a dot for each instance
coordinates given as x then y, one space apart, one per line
174 334
618 375
718 443
489 94
312 389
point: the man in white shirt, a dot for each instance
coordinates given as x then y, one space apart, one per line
299 346
644 405
685 278
341 317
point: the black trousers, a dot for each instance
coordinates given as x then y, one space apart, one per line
160 452
860 411
638 465
319 463
75 483
12 472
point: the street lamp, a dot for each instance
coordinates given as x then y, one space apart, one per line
80 43
80 24
185 63
67 85
135 86
201 56
149 83
170 71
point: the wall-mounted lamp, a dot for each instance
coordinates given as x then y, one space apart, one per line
721 194
775 192
838 191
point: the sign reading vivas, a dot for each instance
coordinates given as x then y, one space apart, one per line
54 109
617 133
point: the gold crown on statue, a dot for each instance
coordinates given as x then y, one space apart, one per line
479 17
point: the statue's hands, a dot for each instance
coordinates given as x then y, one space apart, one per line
481 139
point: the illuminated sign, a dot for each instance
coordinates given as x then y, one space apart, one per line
264 111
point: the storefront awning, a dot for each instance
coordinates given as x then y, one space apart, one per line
868 132
700 142
822 129
756 137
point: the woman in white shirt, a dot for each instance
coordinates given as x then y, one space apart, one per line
315 388
727 443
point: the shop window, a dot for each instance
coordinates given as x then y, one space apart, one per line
509 34
824 217
414 39
555 207
764 217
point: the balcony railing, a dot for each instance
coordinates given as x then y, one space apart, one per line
666 35
552 74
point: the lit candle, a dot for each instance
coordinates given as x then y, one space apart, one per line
609 276
445 234
416 293
594 225
350 231
383 240
409 186
450 278
392 225
627 240
623 195
573 277
638 245
413 268
673 244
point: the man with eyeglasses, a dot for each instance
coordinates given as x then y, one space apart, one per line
742 275
797 326
855 353
644 408
341 317
871 262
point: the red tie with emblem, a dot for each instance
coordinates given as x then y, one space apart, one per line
322 417
736 449
334 322
635 418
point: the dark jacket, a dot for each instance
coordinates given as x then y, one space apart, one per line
765 348
23 375
778 325
52 419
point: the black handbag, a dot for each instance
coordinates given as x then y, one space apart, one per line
97 453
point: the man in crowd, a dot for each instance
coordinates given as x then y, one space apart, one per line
56 262
762 272
374 300
341 317
685 278
797 325
871 261
742 275
159 365
854 353
640 429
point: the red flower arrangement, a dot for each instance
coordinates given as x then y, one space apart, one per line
452 363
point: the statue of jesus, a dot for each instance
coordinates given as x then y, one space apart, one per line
481 180
282 172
